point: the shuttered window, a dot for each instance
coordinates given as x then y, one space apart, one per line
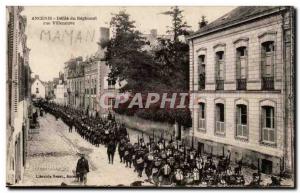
267 58
241 62
201 71
220 118
241 121
220 65
201 116
268 124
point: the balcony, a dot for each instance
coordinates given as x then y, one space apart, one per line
268 83
201 82
241 84
219 84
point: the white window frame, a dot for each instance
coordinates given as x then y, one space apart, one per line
202 121
219 125
239 125
268 129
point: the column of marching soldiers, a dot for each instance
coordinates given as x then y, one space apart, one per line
164 162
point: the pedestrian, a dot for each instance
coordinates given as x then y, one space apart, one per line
82 169
70 127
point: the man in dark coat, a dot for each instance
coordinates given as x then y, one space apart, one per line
111 148
82 169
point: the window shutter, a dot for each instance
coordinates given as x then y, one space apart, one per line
272 118
203 111
263 60
216 67
238 64
238 115
272 63
237 120
218 113
263 121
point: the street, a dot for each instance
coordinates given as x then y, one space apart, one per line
54 148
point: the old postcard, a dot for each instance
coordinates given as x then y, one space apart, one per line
140 96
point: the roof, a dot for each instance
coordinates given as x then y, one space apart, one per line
236 16
34 79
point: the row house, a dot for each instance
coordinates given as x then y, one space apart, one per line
242 76
18 95
75 82
38 88
91 88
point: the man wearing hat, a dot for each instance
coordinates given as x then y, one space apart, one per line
82 169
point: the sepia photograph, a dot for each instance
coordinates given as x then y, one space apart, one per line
150 97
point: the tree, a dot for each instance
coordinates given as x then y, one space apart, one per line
173 54
203 22
126 57
166 69
179 27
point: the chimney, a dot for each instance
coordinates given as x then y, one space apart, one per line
104 34
36 77
153 33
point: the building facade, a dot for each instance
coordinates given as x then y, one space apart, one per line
75 82
91 85
38 88
18 95
242 73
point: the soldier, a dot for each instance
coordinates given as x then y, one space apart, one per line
128 154
121 149
70 126
155 170
149 160
178 177
165 173
140 162
111 148
82 169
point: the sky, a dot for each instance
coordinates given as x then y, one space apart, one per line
48 55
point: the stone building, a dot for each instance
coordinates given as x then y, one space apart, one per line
242 81
91 85
60 91
96 81
75 82
17 95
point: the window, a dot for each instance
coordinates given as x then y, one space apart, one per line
242 121
111 84
111 103
37 90
268 124
201 116
201 71
220 65
267 59
220 70
220 118
241 62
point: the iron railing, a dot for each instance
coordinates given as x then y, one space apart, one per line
241 84
268 83
219 84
